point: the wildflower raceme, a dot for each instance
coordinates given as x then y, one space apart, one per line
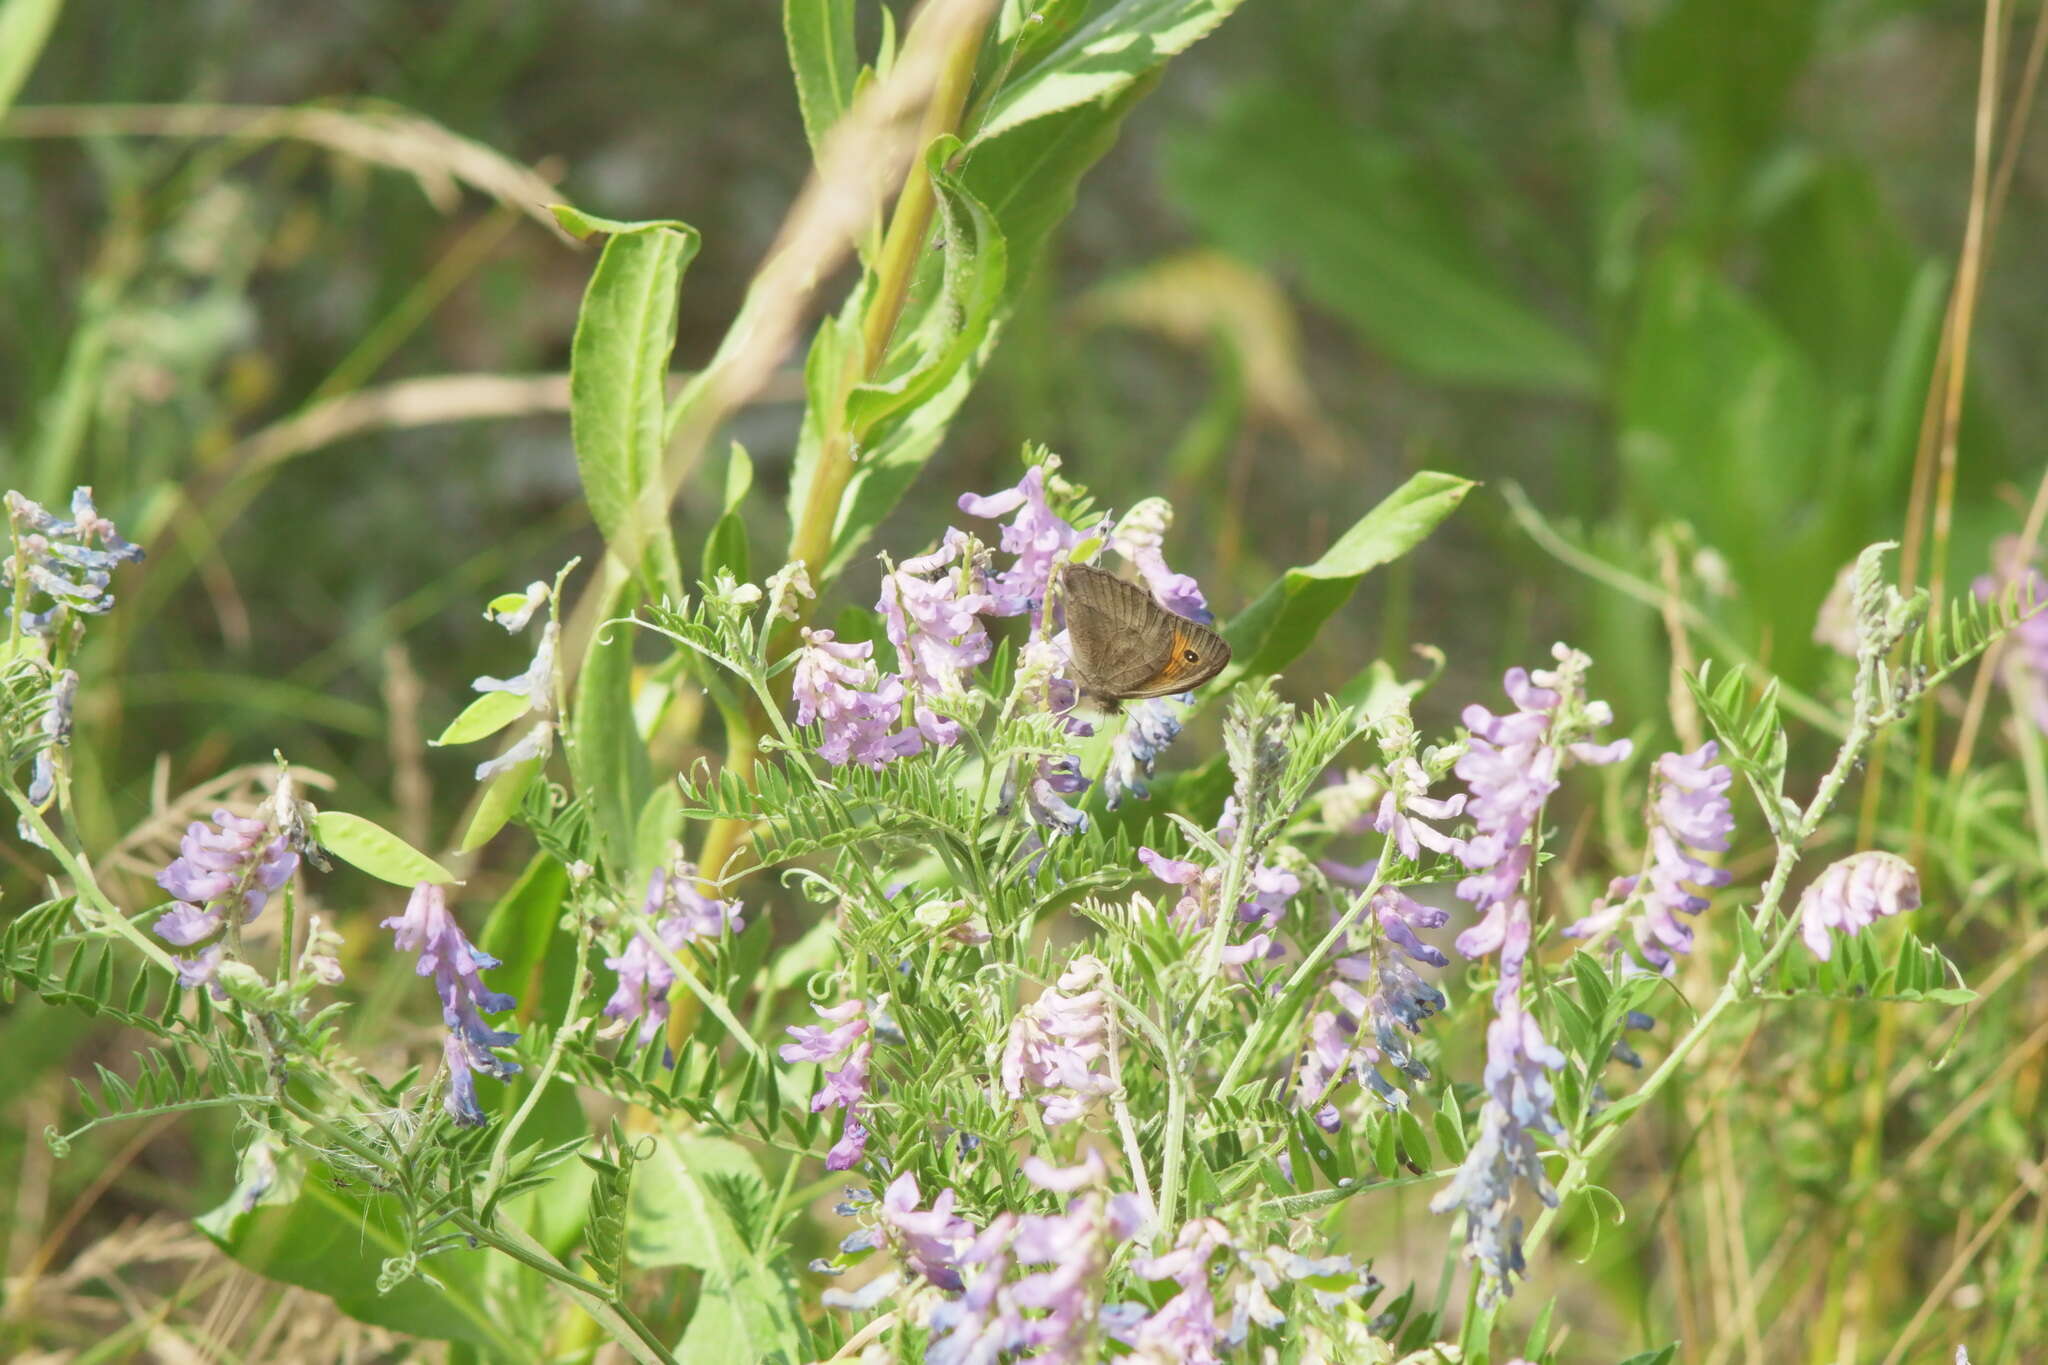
429 929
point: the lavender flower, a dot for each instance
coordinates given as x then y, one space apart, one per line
1055 1042
681 916
1149 726
1395 998
232 867
1269 890
514 610
788 588
930 1242
1510 768
933 615
845 1088
1519 1104
2027 654
536 684
1693 816
1055 1314
1405 807
839 685
457 966
1053 779
69 563
1184 1329
1852 894
1036 535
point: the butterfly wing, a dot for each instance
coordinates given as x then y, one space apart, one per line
1126 645
1197 655
1115 631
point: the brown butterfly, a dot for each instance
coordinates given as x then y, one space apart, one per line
1127 646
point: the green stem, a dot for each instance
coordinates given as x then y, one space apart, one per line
86 885
895 268
287 959
1180 1076
1303 975
501 1152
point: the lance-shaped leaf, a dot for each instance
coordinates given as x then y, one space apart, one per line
1279 624
823 59
618 377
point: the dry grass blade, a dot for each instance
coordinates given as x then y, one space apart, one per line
438 159
147 847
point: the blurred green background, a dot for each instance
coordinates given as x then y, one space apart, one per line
1675 270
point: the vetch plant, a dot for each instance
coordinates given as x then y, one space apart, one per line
1121 1024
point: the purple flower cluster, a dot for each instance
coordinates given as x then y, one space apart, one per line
1038 536
1693 817
1510 768
446 954
1389 996
839 685
681 915
1055 1042
1268 891
1852 894
1519 1104
68 562
231 867
932 607
1406 807
1053 1312
933 611
1051 781
927 1242
2028 651
847 1044
1149 726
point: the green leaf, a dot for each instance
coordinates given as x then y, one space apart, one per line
1661 1356
1113 51
955 321
824 60
1580 1031
745 1308
334 1243
1414 1138
24 28
1449 1135
739 477
1274 629
618 378
502 797
726 549
484 717
524 923
583 225
606 753
1594 986
1341 208
367 845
